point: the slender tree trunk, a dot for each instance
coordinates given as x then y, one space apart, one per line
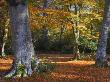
45 28
0 40
3 26
5 37
61 36
75 34
45 36
101 59
4 43
75 45
21 39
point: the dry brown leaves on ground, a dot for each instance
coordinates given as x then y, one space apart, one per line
65 71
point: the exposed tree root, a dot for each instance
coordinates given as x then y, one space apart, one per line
21 70
101 63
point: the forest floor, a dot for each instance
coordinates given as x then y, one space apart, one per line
65 71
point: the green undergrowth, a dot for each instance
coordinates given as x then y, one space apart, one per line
42 67
45 65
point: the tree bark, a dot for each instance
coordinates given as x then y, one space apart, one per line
75 33
101 59
5 36
45 28
22 46
61 37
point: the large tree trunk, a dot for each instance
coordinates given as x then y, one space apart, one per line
101 60
21 39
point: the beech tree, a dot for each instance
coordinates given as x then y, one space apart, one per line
22 45
101 59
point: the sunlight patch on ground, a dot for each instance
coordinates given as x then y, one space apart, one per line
77 62
65 71
8 60
5 64
57 75
2 68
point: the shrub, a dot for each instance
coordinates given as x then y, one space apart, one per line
45 67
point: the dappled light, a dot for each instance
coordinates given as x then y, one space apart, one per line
65 70
54 41
5 63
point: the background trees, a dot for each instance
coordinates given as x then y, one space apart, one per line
60 36
59 24
58 20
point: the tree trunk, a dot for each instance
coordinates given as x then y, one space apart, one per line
75 45
4 43
1 41
75 33
21 39
45 28
61 36
5 36
101 60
